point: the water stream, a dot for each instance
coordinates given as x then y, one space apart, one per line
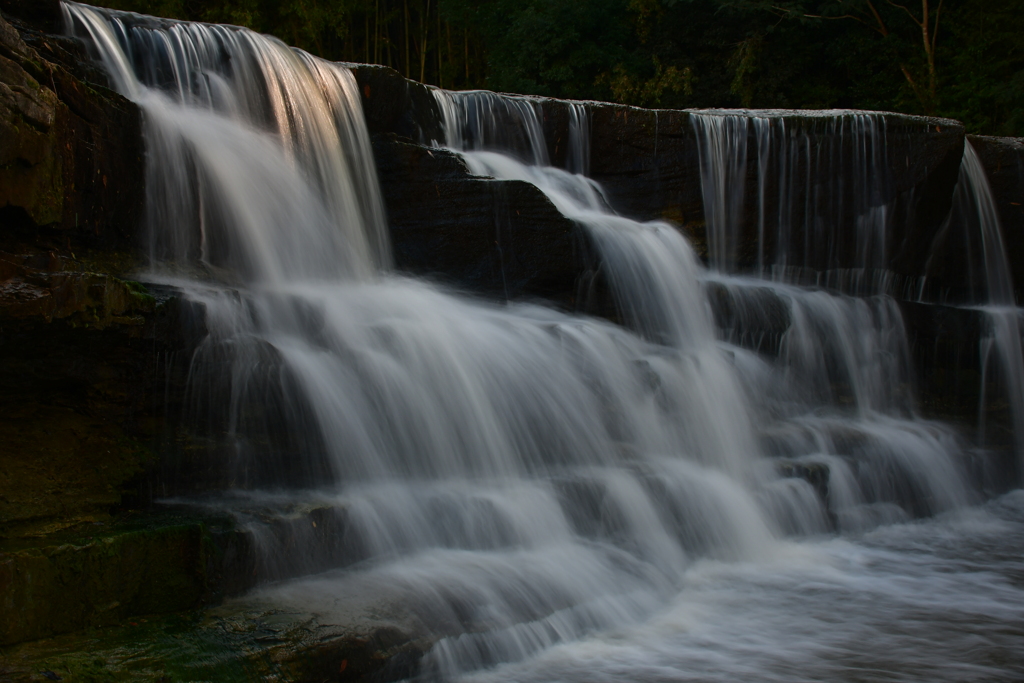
548 494
974 210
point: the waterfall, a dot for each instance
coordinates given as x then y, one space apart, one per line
579 139
975 211
822 208
723 169
830 351
513 476
248 135
812 176
552 475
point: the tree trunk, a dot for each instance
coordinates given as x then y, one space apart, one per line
424 27
405 6
440 78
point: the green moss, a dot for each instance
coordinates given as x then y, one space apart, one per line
239 643
99 574
141 297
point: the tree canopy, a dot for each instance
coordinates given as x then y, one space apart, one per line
958 58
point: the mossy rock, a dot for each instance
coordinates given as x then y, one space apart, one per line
98 574
248 639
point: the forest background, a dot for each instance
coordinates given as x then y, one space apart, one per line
958 58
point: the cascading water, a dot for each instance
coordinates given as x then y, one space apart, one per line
723 168
810 179
974 211
822 210
830 350
249 136
521 482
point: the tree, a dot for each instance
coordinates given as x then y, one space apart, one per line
859 54
888 19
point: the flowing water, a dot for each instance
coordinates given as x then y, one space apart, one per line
547 496
822 209
825 178
975 210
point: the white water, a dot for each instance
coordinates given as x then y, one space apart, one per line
525 481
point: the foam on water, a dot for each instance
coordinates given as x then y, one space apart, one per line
939 601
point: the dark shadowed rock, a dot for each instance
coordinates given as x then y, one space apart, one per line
71 156
31 150
501 239
648 163
78 407
43 15
99 572
395 104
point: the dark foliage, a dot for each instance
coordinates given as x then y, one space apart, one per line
960 58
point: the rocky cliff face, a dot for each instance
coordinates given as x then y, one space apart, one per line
77 338
71 156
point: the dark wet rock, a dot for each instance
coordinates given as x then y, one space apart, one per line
395 104
79 404
100 573
97 577
244 640
83 398
31 157
648 163
501 239
814 473
71 157
756 318
960 380
51 287
945 346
